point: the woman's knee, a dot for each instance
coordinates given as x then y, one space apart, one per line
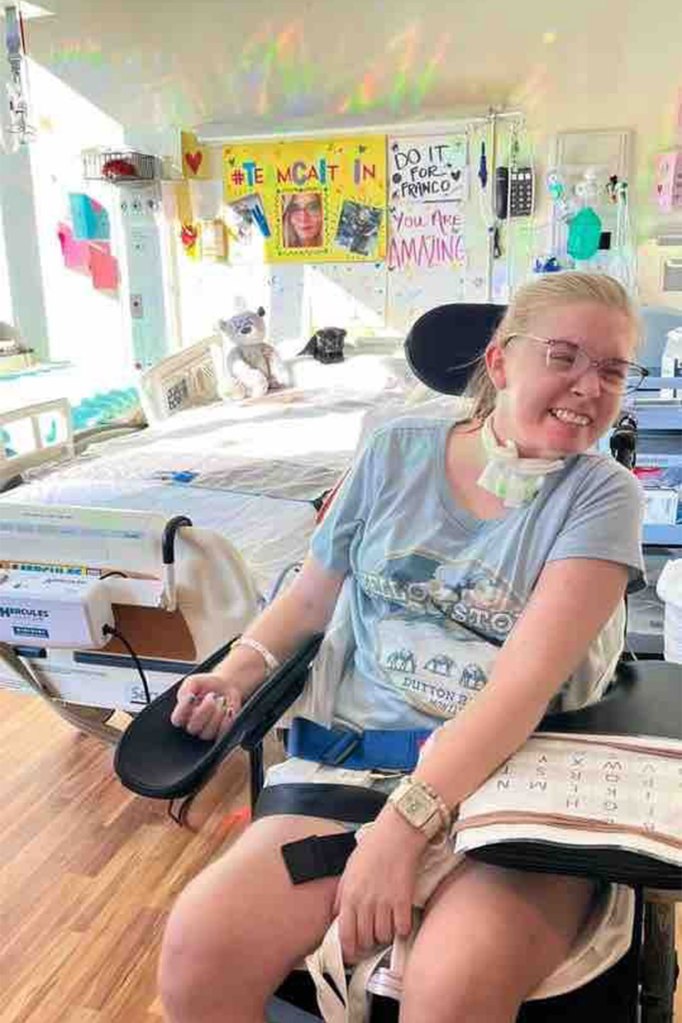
194 958
217 947
487 940
447 991
240 926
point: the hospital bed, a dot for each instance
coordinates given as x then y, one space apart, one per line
248 476
290 443
157 760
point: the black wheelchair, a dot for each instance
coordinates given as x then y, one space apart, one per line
157 760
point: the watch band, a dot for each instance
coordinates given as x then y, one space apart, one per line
444 810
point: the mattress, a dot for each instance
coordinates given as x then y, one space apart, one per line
251 471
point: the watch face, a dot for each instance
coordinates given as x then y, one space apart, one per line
417 806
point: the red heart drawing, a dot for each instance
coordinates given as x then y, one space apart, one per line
188 235
194 161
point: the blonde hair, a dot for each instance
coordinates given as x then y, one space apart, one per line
564 288
290 238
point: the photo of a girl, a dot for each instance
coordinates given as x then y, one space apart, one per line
302 220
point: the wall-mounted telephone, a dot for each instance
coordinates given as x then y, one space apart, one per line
514 192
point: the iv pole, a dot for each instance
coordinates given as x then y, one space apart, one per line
493 119
17 93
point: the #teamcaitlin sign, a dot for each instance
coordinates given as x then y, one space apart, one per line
308 200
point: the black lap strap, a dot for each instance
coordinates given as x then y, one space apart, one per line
318 856
352 804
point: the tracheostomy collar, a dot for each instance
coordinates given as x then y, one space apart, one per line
513 479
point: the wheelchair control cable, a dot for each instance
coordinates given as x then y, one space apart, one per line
111 631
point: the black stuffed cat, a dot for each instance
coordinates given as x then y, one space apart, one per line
326 344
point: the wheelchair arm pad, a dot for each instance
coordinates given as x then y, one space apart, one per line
156 759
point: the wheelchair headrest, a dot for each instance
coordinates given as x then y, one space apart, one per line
443 345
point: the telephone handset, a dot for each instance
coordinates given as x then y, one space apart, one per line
514 192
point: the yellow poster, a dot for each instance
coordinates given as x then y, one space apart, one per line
308 200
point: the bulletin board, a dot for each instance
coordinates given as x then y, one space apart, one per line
311 200
392 225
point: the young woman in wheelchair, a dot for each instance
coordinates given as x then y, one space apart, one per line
505 522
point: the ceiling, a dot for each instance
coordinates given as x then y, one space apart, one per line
259 64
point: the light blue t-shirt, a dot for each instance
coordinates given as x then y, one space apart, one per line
420 564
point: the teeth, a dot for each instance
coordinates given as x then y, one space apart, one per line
566 416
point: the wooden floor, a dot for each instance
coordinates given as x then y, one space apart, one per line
88 872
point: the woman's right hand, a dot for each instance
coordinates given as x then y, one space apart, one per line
206 705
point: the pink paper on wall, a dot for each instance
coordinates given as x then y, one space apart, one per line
76 254
103 267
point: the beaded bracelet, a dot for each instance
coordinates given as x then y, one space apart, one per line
271 661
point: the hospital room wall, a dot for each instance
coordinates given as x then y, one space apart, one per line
57 309
21 291
597 72
259 68
622 70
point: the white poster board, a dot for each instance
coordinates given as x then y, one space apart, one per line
428 191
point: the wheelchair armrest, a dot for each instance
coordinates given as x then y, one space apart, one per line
155 759
597 862
644 699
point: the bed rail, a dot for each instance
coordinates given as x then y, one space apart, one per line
32 435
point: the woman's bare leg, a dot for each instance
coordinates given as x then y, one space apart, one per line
241 926
488 938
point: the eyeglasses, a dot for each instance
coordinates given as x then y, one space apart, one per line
617 376
309 207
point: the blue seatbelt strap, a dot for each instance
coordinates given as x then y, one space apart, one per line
375 749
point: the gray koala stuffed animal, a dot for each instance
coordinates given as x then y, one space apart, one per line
252 367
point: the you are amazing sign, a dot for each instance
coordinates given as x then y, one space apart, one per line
427 188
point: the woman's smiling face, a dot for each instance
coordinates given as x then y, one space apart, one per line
549 413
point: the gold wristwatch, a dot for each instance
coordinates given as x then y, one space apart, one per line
421 806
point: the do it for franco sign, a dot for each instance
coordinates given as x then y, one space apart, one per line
423 170
427 189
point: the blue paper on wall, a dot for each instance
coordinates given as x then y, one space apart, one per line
90 220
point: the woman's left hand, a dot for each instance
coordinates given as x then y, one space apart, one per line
374 897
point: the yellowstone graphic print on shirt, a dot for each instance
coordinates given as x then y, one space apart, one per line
433 660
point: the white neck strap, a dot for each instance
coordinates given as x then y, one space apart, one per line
513 479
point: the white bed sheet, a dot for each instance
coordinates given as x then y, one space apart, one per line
292 443
250 471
